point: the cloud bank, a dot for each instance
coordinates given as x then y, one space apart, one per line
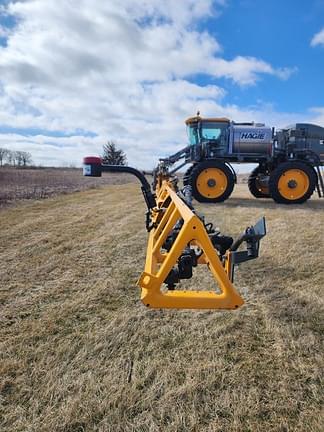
122 71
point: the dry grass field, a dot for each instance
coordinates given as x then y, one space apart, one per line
79 352
39 183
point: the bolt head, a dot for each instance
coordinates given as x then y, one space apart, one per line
211 183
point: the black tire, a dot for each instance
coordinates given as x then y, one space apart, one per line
253 185
223 191
279 186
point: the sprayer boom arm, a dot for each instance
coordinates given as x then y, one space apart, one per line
179 240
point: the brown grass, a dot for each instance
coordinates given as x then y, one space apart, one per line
79 352
29 183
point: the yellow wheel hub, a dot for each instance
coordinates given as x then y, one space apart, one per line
211 182
293 184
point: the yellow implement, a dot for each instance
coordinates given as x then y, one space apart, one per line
159 262
179 241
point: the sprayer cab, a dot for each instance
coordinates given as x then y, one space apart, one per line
206 129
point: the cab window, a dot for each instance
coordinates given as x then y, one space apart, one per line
210 131
192 135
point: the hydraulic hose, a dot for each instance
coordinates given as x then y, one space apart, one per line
93 167
146 188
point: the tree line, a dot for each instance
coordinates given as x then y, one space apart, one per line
111 155
15 158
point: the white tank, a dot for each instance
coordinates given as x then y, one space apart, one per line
251 138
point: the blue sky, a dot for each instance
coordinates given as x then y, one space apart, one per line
279 32
76 74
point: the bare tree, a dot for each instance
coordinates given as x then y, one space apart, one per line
26 158
19 158
3 154
11 157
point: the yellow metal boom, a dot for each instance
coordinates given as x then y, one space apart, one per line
179 240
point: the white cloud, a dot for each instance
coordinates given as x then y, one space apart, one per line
317 115
318 38
49 150
122 70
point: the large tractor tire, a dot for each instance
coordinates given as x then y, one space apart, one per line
292 183
211 181
257 189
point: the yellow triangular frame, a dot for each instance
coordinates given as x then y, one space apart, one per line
158 265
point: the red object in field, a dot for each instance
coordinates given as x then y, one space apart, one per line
92 160
92 166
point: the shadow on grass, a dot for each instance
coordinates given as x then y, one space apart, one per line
268 203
